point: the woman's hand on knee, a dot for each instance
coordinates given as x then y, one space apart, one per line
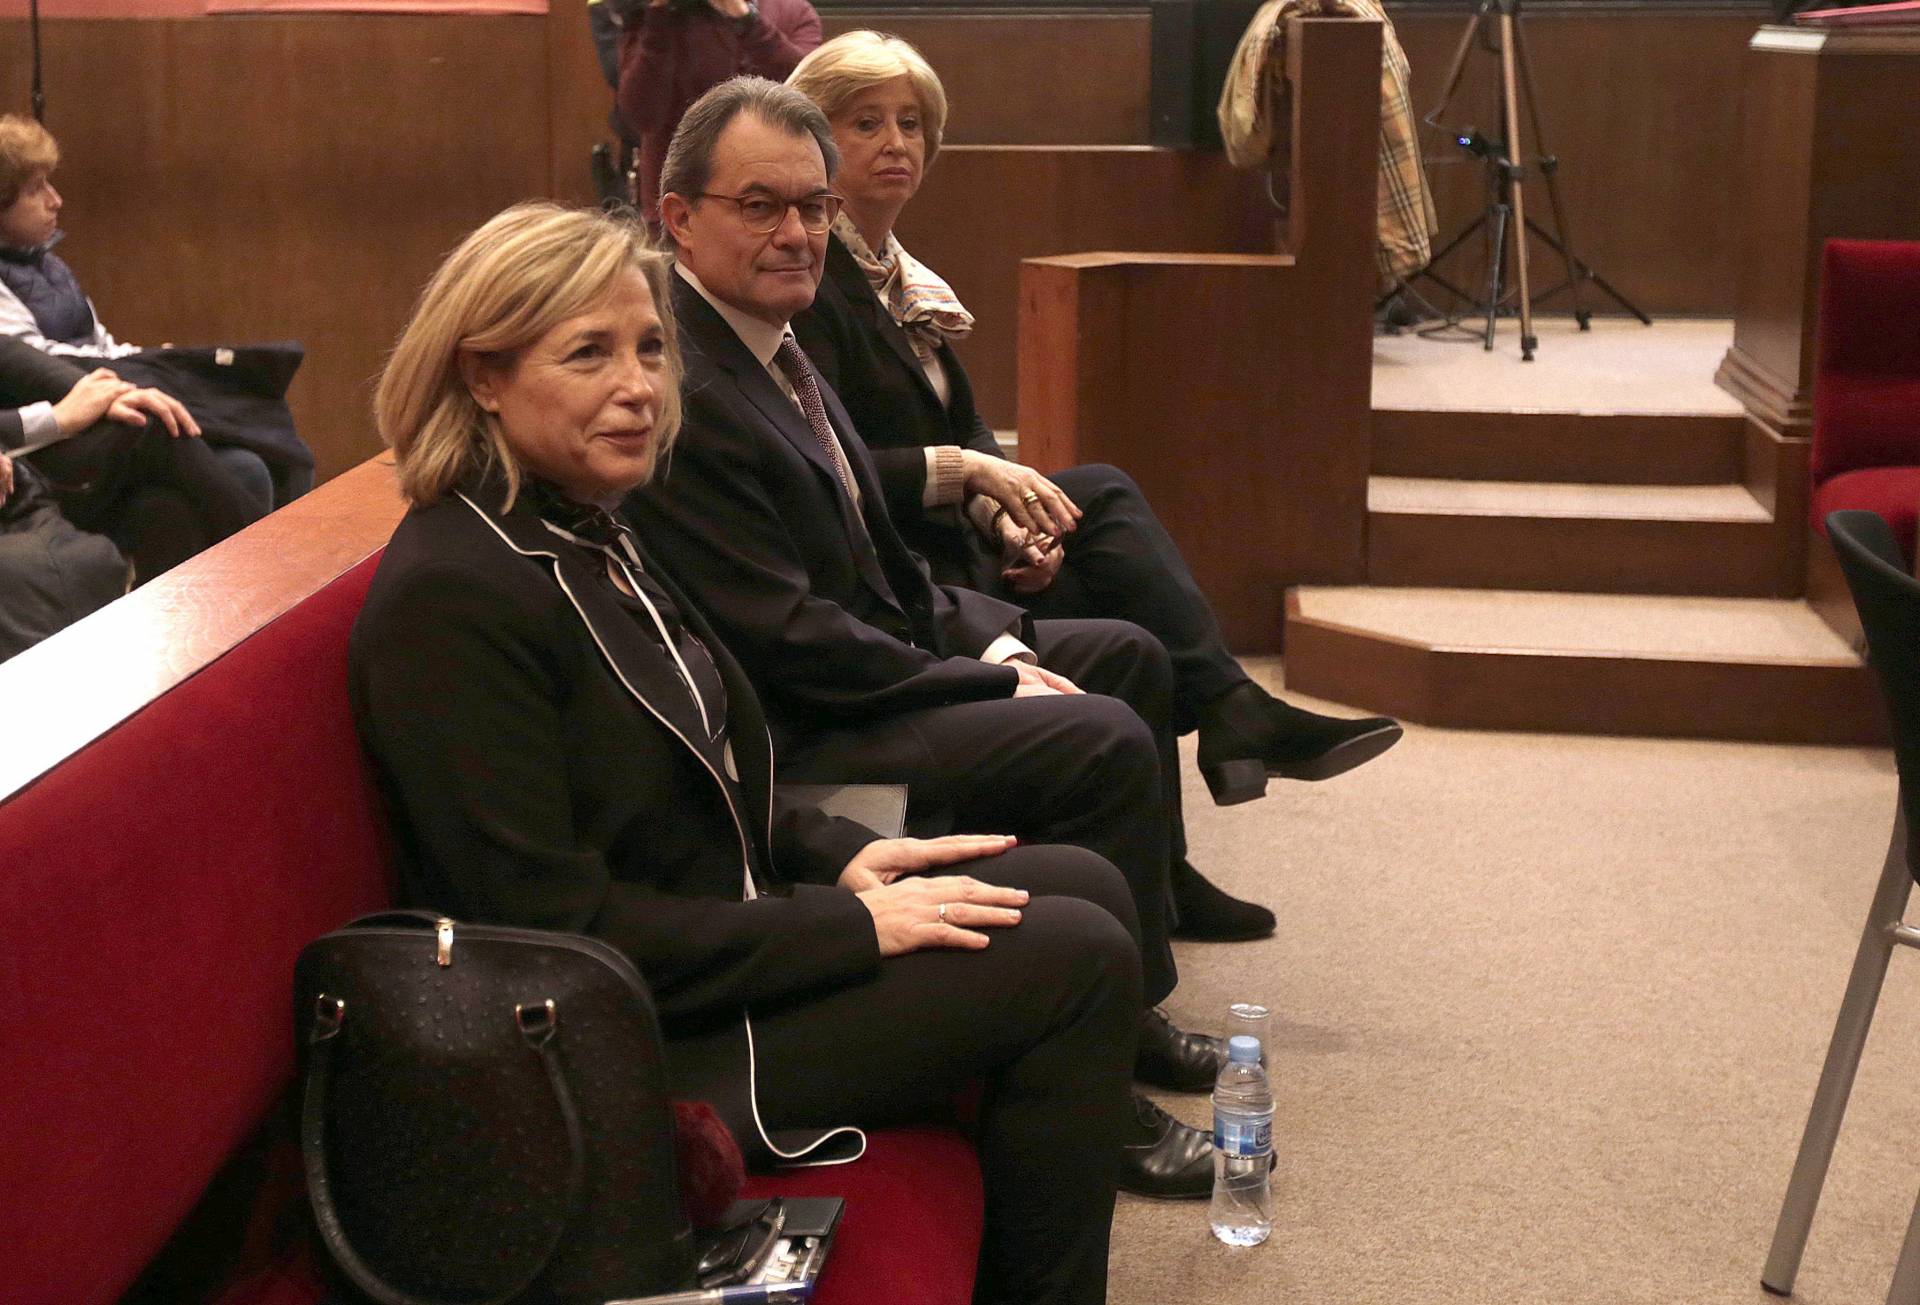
939 911
885 860
1039 682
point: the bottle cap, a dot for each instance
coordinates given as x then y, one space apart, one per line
1243 1049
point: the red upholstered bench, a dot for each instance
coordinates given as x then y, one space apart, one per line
1866 391
156 885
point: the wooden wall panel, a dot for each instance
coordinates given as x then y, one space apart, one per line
1643 110
983 209
581 101
299 175
1002 72
1029 78
287 177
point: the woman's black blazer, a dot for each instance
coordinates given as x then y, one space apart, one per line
866 358
534 748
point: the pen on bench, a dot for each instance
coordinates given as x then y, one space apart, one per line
757 1293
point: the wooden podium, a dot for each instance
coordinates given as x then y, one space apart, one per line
1827 142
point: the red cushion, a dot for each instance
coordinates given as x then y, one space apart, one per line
1866 398
910 1232
1893 492
912 1226
153 1007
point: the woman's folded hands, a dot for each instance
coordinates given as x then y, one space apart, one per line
918 911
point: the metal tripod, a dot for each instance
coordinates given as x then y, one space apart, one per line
33 36
1506 211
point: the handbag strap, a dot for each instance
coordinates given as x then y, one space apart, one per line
537 1022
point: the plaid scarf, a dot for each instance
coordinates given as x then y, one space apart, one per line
923 305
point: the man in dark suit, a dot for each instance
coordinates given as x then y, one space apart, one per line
772 515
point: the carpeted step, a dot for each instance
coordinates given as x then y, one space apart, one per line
1734 668
1632 538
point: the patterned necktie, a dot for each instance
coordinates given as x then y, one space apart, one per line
800 375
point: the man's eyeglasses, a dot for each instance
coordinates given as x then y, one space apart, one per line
763 214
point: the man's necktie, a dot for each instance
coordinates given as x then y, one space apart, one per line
806 386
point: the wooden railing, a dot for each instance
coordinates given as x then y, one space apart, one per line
67 691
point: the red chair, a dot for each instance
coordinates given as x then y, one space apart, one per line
1866 390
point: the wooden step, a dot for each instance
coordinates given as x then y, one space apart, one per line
1594 448
1634 538
1587 663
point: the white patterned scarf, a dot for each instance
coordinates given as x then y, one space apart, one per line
923 305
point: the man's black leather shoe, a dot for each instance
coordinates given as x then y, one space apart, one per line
1177 1061
1249 736
1164 1157
1204 913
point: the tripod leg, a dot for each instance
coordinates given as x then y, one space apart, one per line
1581 272
1547 170
1509 99
1458 67
1466 234
1496 264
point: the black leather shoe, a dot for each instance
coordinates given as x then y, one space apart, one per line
1164 1157
1175 1060
1249 736
1205 913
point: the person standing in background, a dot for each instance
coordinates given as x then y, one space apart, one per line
675 51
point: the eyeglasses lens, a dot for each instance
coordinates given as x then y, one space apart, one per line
764 216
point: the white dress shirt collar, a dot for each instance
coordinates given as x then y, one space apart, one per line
761 338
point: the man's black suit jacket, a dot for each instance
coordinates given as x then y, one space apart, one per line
533 745
29 376
833 616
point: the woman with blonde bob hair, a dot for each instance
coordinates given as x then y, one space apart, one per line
1083 543
852 64
505 286
564 744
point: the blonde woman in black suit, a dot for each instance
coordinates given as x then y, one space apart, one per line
566 745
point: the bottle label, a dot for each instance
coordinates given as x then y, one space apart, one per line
1243 1136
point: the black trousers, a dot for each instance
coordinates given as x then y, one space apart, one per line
1121 563
51 574
106 477
1045 1017
1099 770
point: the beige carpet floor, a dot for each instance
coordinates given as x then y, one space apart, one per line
1649 624
1619 366
1549 1015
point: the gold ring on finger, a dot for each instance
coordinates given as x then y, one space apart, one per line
1029 497
943 913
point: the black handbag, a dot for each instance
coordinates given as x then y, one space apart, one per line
485 1115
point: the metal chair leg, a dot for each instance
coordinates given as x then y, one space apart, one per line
1906 1274
1843 1058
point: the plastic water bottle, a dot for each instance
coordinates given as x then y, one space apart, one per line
1242 1213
